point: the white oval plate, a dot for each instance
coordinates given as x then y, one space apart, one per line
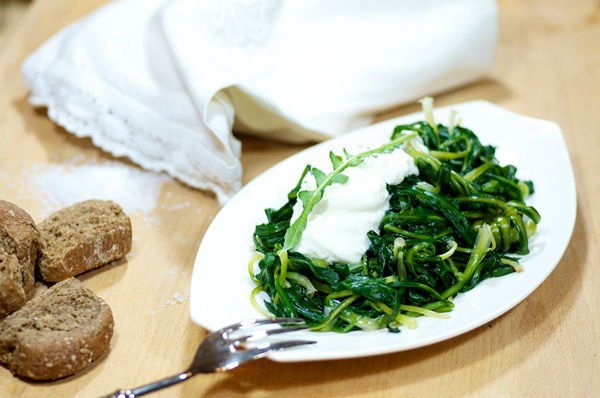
220 287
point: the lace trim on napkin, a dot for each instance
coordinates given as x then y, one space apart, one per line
86 116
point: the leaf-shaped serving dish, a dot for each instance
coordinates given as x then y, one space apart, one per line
221 286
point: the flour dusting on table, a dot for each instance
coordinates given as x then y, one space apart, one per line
60 185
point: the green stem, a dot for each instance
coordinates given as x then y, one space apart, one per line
473 174
482 244
328 323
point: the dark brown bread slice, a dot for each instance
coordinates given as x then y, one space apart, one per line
57 333
19 244
82 237
12 292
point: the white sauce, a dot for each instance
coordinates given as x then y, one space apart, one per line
337 227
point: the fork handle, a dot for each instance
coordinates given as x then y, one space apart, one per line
150 387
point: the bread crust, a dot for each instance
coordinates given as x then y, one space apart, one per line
19 245
12 295
99 232
37 350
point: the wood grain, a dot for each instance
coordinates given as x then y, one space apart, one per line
11 12
549 345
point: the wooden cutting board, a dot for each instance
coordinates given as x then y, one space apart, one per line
549 345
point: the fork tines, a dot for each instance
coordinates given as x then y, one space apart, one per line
257 329
261 322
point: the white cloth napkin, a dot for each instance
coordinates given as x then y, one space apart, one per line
163 81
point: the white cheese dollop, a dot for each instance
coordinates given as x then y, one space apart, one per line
337 226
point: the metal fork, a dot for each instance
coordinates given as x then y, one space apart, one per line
226 349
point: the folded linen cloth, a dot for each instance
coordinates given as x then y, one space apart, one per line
162 82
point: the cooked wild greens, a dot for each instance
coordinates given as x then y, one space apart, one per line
462 220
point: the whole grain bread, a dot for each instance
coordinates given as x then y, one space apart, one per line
83 237
19 244
57 333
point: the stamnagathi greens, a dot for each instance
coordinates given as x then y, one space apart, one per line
462 220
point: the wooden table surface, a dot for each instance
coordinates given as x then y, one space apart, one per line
547 66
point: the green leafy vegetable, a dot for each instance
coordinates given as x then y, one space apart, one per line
457 223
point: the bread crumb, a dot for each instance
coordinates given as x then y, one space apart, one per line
180 298
178 206
177 298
